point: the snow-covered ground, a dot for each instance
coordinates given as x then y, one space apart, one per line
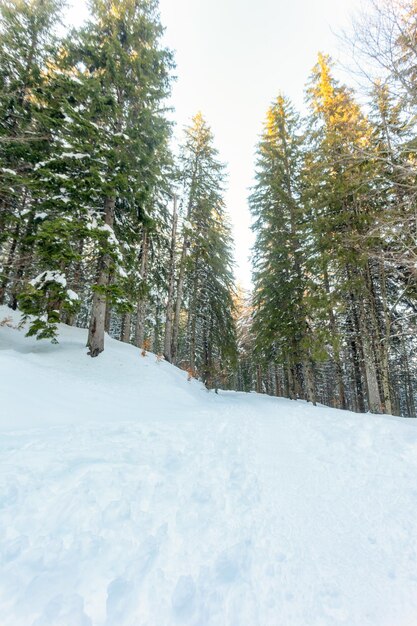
132 497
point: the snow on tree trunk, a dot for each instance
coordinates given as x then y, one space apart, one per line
171 285
309 377
141 307
178 302
127 321
95 341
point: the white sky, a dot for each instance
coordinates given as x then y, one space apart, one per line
233 57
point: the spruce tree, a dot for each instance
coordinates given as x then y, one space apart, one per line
339 181
205 277
283 332
27 45
108 163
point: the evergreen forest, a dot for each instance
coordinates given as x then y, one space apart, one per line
107 224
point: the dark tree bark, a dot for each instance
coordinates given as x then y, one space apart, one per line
95 341
171 285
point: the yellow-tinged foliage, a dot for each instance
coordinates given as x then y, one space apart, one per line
335 106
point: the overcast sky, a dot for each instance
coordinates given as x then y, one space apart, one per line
233 57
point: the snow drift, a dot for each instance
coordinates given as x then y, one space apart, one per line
130 496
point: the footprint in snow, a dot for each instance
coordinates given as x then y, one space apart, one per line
116 511
119 597
332 603
201 495
173 462
281 557
237 475
183 597
13 548
146 554
232 563
64 610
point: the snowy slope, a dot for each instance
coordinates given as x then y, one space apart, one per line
131 497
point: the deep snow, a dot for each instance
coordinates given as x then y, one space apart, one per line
132 497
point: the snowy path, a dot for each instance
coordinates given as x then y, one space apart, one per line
236 510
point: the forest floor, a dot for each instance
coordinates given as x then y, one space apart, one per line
130 496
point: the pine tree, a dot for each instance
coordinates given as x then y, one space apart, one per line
283 333
340 215
27 43
107 167
205 277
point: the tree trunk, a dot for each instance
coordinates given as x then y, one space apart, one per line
107 319
358 355
24 258
95 341
9 264
207 352
76 281
411 409
357 378
278 391
141 307
372 344
126 326
258 379
298 381
156 336
292 394
171 285
286 381
335 345
181 277
385 345
385 379
374 397
178 302
192 321
310 383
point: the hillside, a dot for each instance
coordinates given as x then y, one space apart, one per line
130 496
